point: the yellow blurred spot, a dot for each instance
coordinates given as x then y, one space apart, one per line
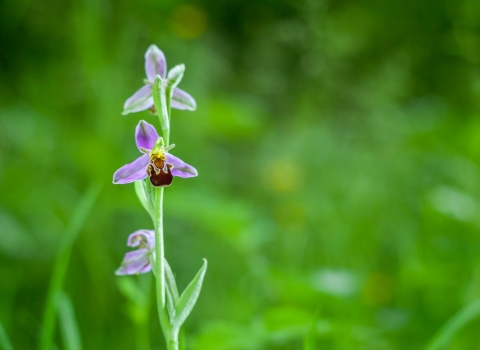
188 22
290 214
283 175
378 289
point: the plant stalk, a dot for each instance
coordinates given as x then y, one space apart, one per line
170 333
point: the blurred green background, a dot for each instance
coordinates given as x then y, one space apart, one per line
338 148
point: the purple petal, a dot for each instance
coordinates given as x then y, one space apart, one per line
180 168
133 171
140 100
147 236
182 100
145 135
155 63
134 262
146 269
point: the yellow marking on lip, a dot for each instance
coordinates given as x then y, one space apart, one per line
157 155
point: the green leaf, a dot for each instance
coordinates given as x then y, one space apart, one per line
142 196
149 190
68 324
171 289
189 297
4 341
447 332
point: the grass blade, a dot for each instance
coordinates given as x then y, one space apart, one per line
309 340
68 324
75 225
448 331
4 341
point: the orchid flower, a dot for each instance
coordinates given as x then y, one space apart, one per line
155 64
138 261
155 162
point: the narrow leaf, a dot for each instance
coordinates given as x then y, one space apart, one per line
170 304
68 324
149 191
142 196
171 281
189 297
4 341
447 332
172 291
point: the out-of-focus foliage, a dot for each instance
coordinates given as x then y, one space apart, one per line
338 143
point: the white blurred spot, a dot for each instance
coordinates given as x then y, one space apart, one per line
454 203
336 282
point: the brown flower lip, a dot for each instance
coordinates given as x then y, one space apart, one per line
159 171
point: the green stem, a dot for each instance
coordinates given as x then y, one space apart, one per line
173 344
159 263
168 92
171 335
165 96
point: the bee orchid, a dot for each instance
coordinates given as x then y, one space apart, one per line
155 162
155 64
138 261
